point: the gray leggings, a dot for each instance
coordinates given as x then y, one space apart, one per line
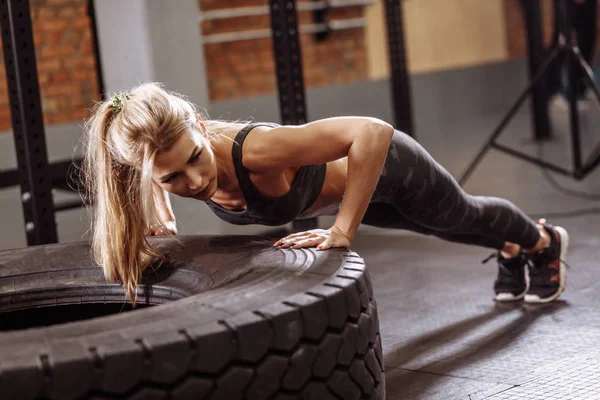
415 193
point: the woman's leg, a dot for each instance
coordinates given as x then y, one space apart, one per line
428 199
428 196
384 215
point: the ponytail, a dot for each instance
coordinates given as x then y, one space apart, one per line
122 195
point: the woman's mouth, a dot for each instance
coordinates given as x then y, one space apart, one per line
202 193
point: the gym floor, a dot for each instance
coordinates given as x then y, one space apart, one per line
443 335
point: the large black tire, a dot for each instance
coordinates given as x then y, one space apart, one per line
248 322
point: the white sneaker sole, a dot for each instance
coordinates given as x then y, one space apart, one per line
564 246
507 297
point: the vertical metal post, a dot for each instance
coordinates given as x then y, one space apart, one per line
570 59
27 122
91 10
401 94
320 17
535 51
288 68
288 62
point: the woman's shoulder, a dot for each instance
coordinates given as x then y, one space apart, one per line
231 129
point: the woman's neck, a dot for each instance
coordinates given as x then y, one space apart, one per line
222 145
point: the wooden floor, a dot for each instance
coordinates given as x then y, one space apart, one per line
444 337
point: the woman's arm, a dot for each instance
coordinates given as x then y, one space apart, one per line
365 141
366 157
164 212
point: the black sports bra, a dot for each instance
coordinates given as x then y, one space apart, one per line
263 210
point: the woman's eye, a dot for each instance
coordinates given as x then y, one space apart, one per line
196 156
170 179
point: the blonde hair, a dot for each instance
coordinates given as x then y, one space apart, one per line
122 137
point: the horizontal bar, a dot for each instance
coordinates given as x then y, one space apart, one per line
68 205
350 23
264 10
531 159
58 172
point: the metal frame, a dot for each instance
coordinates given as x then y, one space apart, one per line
58 172
567 50
288 62
535 55
400 85
35 175
91 10
27 122
288 68
320 17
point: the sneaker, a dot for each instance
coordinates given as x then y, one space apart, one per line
560 102
511 282
547 271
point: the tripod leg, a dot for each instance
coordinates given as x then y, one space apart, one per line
588 73
515 107
572 82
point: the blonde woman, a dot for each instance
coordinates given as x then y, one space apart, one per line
147 142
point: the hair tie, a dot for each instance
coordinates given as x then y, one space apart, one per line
117 103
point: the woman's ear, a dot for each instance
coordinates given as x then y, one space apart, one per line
200 121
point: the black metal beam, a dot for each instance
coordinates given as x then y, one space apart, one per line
91 11
288 62
27 122
61 174
288 68
401 93
535 57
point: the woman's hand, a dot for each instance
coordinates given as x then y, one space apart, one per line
168 228
323 239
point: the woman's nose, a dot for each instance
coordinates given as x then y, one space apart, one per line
195 184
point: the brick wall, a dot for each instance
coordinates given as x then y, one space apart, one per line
246 68
66 64
65 61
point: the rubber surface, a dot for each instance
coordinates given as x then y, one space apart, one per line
239 320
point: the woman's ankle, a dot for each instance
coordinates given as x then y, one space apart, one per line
510 250
544 240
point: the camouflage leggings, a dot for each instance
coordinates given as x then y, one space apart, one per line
415 193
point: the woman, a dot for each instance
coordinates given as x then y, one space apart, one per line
148 142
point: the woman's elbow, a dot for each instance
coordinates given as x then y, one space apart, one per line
381 129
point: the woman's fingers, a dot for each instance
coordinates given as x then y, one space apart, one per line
298 237
285 243
323 239
307 243
324 246
168 228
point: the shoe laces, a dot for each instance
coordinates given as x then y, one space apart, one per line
507 271
529 259
522 256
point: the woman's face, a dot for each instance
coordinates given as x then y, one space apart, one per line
187 169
